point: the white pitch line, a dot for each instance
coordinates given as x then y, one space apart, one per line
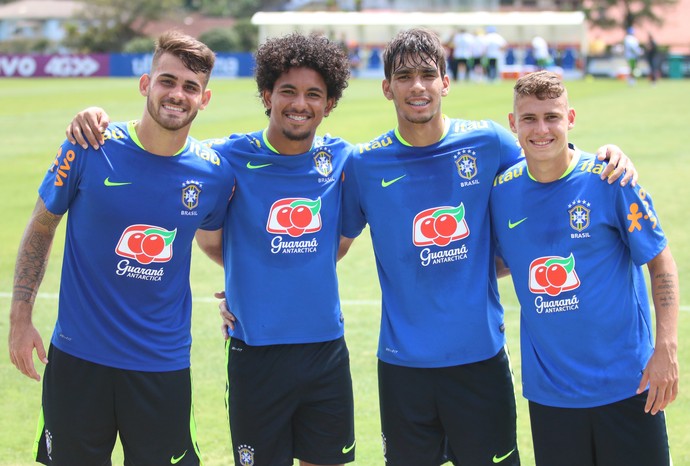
344 302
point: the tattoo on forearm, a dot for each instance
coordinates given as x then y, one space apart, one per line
48 220
666 292
23 293
33 257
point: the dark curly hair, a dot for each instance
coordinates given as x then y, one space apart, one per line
279 55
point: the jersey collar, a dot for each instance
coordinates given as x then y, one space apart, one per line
132 130
264 136
571 167
446 127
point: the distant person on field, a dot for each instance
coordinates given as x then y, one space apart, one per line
653 58
119 358
478 50
596 377
540 49
632 51
462 44
494 50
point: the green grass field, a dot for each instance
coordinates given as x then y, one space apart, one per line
648 123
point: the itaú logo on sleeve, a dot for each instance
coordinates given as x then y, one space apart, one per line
439 226
146 244
553 275
294 216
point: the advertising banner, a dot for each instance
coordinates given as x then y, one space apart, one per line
58 66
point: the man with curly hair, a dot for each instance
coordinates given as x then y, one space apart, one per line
289 383
118 364
289 391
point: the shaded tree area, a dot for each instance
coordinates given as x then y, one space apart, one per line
108 25
236 8
635 12
242 37
118 25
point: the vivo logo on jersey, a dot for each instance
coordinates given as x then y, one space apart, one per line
146 244
294 216
440 226
63 167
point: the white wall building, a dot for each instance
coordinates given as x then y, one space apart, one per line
37 19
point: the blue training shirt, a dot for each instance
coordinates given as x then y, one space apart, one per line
125 299
281 238
427 209
575 248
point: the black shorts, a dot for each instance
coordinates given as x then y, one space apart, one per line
86 405
617 434
290 401
464 414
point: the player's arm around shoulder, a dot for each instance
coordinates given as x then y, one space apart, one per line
32 260
662 372
619 165
87 127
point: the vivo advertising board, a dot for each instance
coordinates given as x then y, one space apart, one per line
228 65
55 66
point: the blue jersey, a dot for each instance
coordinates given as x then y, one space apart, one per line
280 240
125 299
427 208
575 248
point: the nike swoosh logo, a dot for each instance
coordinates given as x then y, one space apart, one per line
499 459
107 182
512 225
251 166
385 183
347 449
174 460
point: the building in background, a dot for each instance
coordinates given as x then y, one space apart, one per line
37 19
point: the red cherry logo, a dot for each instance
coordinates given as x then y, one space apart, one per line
153 244
442 240
283 217
427 228
134 242
293 231
540 276
556 275
144 259
445 225
301 216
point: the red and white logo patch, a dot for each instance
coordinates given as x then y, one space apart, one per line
146 244
439 226
294 216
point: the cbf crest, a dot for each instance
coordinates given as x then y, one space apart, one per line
191 191
579 212
323 162
466 163
246 454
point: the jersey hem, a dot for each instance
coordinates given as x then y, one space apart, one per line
588 403
145 367
442 364
291 341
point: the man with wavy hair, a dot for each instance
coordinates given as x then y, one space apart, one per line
119 358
